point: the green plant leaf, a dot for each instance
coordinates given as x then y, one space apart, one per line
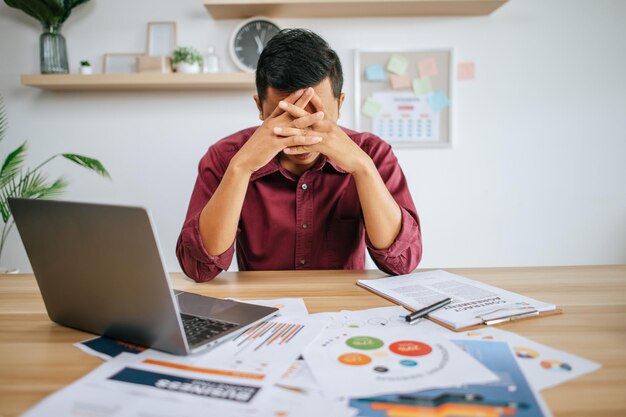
89 163
50 12
12 164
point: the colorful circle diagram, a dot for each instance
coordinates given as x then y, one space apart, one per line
556 366
364 343
526 353
410 348
354 359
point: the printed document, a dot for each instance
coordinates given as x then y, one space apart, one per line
472 302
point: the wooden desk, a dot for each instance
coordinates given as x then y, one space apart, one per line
37 356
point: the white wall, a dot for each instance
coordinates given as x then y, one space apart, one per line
536 176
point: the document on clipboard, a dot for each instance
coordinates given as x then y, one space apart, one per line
474 304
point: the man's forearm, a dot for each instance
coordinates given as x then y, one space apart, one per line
382 215
220 217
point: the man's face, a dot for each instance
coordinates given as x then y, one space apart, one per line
331 104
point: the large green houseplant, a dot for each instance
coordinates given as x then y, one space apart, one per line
19 181
51 14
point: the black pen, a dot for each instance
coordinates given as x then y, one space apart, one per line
426 310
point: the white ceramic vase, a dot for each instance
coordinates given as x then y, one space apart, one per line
85 70
186 68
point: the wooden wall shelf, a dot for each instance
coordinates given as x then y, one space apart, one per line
238 9
138 82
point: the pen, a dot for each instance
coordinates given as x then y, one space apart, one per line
426 310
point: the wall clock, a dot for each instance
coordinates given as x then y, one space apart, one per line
249 39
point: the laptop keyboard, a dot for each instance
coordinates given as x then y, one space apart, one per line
199 329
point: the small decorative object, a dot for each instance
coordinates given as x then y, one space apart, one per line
120 63
17 181
159 64
211 61
249 39
161 38
85 68
51 15
187 60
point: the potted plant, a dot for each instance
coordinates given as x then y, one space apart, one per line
187 60
18 181
51 14
85 68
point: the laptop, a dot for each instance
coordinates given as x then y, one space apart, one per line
99 269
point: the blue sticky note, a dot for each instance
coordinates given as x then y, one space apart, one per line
439 101
375 73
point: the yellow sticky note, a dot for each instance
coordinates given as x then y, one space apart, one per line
397 64
371 108
422 86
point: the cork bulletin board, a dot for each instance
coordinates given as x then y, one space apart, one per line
404 97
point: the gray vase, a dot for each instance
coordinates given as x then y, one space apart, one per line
52 51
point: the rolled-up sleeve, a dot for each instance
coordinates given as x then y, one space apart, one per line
405 253
192 256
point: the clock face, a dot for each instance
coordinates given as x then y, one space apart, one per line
249 40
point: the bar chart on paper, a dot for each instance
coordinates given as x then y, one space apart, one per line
268 336
269 347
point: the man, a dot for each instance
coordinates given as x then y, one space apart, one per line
299 192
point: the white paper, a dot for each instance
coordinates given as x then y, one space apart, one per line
99 394
358 362
285 306
543 366
472 302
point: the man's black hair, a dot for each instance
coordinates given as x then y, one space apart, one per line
295 59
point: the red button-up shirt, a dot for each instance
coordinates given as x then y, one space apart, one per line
309 222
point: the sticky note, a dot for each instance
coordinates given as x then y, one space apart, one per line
465 71
400 82
397 64
422 86
427 67
438 101
375 73
371 107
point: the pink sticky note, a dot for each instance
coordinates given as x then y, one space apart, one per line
465 71
427 67
400 82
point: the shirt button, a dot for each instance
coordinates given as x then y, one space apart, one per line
304 226
302 261
304 186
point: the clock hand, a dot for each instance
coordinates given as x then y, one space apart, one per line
259 44
263 35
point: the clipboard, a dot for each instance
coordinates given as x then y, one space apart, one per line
489 322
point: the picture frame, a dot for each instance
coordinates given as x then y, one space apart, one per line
120 63
161 38
406 108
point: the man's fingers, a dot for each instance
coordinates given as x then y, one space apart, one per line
308 120
316 101
300 141
291 98
305 98
291 131
296 150
292 109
